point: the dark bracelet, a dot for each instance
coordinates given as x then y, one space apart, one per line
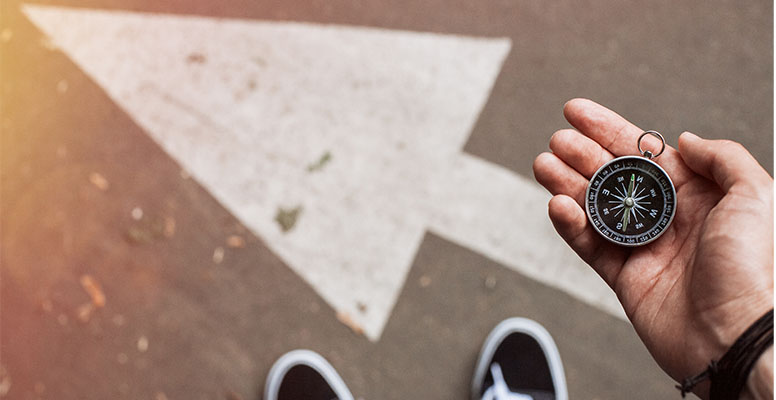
729 375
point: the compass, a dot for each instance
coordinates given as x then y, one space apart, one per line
631 200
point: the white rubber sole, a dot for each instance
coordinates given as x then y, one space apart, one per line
529 327
310 359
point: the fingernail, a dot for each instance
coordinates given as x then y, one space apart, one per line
689 136
574 100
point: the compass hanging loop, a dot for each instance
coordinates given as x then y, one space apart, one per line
646 153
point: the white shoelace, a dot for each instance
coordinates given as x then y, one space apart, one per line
500 390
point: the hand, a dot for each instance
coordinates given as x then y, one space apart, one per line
693 291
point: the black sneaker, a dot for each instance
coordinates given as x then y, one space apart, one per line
304 375
519 361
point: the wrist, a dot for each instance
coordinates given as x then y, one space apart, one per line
730 376
759 385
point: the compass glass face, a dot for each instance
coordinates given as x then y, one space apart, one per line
630 201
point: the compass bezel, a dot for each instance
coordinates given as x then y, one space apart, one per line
623 240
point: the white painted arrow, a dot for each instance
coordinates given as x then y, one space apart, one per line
247 106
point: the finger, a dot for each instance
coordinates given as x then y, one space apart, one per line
558 178
620 137
608 128
725 162
579 151
570 221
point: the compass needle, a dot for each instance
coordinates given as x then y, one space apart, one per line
623 193
625 220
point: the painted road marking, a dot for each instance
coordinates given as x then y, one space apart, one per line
248 106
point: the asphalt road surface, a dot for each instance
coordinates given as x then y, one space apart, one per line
189 190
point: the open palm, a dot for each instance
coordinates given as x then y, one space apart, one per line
693 291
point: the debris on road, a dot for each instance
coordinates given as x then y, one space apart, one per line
149 228
196 58
287 217
318 165
122 358
424 281
235 242
5 381
6 35
99 181
160 396
142 344
138 235
169 227
348 321
62 86
84 312
259 61
93 289
218 255
490 282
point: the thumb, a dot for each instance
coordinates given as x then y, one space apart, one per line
723 161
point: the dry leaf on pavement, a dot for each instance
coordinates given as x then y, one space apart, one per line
348 321
93 289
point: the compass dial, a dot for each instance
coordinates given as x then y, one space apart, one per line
630 201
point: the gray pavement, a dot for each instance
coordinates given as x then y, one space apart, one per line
176 324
